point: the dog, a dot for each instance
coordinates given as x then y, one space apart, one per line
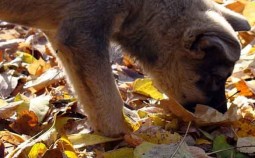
188 47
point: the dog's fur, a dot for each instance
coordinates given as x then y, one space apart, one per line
188 47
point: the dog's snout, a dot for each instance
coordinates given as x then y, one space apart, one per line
218 101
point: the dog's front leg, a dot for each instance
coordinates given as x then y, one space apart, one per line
84 54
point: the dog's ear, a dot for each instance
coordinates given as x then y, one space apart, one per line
216 46
237 21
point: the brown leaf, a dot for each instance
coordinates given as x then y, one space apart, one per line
1 149
1 56
197 152
236 6
11 138
53 153
177 109
27 123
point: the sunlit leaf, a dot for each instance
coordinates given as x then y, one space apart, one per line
40 106
145 87
26 57
81 140
37 150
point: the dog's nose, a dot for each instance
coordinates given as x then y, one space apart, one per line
219 101
220 106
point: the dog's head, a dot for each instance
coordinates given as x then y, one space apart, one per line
188 47
201 56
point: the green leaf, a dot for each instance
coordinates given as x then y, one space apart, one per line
220 143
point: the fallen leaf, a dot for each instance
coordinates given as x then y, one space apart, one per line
40 106
63 144
38 67
6 111
27 58
197 152
220 143
51 76
7 84
1 56
2 149
37 150
11 138
27 123
177 109
133 139
202 141
249 12
120 153
145 87
82 140
149 150
236 6
243 88
53 153
246 145
157 136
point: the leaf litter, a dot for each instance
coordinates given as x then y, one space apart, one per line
40 116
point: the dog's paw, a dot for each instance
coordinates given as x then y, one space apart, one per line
111 126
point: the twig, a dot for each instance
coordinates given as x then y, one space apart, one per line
179 145
218 151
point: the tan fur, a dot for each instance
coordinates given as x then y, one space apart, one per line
158 33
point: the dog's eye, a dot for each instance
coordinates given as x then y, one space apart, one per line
211 82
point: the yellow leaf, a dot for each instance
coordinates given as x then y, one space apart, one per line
219 1
37 150
27 58
23 106
202 141
35 68
249 12
122 152
63 144
70 154
61 122
161 137
145 87
3 103
131 123
81 140
38 67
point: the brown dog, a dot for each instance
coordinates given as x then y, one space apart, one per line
188 47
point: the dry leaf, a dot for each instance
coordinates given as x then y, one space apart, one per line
7 84
246 145
51 76
11 138
27 123
249 12
145 87
120 153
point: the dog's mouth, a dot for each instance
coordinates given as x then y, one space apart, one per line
221 107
